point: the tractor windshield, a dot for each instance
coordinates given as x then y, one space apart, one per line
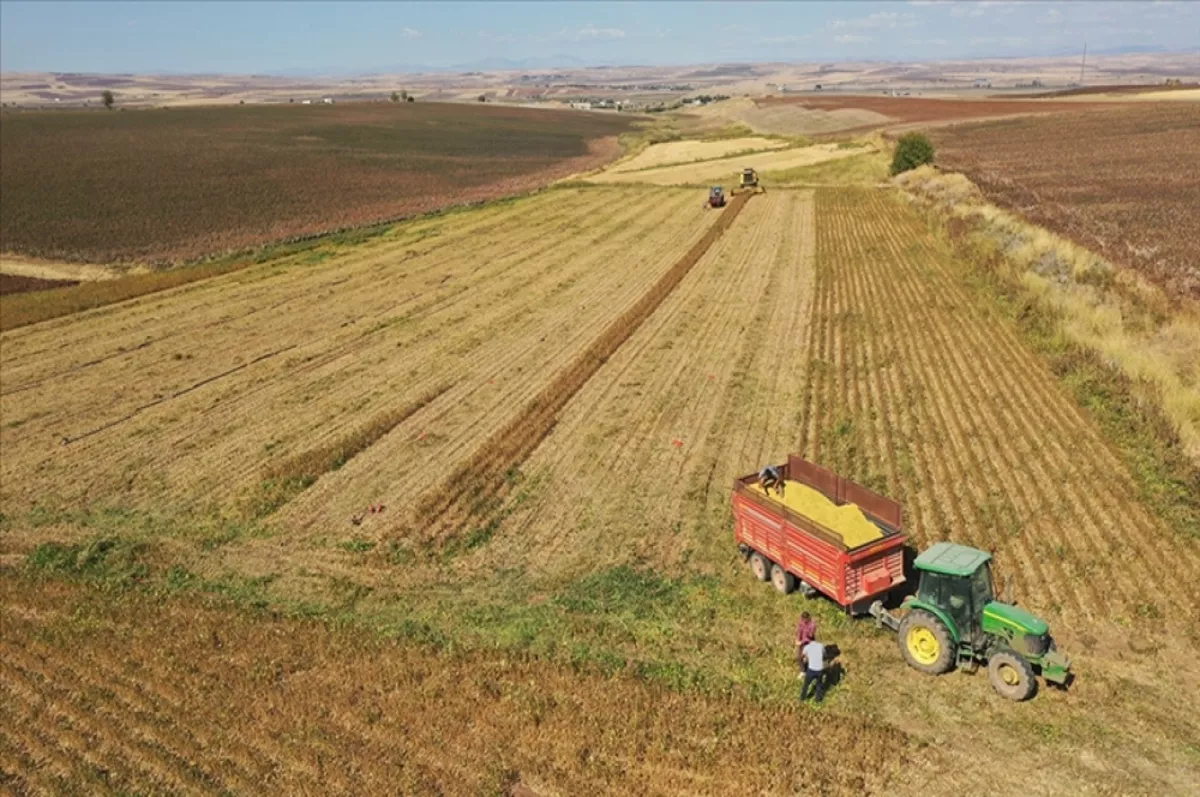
982 592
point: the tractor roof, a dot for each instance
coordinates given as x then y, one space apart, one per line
951 559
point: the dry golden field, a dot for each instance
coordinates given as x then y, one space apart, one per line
725 170
230 436
688 151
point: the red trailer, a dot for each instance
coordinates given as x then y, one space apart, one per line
795 551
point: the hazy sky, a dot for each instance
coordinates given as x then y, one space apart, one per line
266 37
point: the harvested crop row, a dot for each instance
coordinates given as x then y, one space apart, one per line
697 396
481 479
206 699
487 301
925 393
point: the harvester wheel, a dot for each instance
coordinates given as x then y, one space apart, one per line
784 581
760 566
1011 676
925 643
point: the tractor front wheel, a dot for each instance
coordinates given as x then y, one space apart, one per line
760 566
925 642
1011 676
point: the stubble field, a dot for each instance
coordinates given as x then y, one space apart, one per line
832 323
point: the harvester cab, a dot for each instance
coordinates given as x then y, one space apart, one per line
748 181
716 197
954 620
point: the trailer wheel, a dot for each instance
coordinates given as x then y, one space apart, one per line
925 643
784 581
760 566
1011 676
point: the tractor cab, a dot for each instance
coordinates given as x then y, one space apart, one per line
957 581
955 620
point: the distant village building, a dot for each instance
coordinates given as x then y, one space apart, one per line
982 83
582 106
327 100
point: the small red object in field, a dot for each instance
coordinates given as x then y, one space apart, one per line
677 443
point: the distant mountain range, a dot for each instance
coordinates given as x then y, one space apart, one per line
494 64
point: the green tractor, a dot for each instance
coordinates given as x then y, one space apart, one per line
954 620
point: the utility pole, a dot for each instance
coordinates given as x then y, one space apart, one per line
1083 63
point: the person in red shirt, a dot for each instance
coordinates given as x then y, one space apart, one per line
806 632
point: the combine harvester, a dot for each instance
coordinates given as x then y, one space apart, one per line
828 535
748 183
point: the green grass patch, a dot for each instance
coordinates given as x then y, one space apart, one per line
109 561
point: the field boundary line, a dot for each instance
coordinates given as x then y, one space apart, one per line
476 487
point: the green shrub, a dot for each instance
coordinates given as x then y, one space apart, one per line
912 150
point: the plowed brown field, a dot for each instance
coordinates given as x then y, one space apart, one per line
1113 181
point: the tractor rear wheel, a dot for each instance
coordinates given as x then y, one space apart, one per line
760 566
925 642
784 581
1011 676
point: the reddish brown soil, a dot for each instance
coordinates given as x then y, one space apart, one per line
1118 182
13 283
162 185
924 109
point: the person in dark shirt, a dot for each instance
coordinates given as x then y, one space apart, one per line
770 477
